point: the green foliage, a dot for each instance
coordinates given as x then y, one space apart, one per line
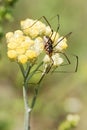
6 7
70 123
1 32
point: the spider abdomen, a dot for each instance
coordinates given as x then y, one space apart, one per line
48 45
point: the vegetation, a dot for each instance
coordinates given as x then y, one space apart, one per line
60 94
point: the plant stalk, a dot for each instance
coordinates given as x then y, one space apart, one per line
27 110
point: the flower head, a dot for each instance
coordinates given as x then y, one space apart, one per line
33 28
27 44
20 47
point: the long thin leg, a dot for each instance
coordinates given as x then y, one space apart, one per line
76 66
66 36
77 62
58 19
48 70
68 61
43 17
58 23
57 27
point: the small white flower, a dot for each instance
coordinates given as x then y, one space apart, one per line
18 33
41 27
46 59
9 35
27 23
38 45
48 31
57 60
61 45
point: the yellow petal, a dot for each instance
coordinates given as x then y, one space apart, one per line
22 59
12 45
12 54
31 54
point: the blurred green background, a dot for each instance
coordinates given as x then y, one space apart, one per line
61 93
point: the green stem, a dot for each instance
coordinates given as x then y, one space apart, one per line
46 71
22 69
27 110
26 105
37 90
34 71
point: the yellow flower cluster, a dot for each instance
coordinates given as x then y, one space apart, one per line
20 47
26 44
35 28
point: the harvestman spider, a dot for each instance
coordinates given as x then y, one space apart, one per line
49 48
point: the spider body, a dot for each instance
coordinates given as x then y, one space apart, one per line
48 45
